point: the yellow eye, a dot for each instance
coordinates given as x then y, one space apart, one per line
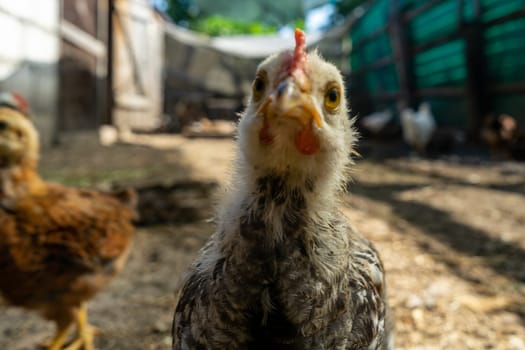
258 86
332 97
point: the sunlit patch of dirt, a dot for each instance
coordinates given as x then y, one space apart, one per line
451 237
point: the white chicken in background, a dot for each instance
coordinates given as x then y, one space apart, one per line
377 121
418 127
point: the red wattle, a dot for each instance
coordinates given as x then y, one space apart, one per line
307 142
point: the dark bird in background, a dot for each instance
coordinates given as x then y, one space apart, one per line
504 137
58 246
284 269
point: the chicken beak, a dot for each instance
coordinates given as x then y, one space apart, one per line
290 101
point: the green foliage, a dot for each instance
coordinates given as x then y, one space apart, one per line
219 25
298 23
232 17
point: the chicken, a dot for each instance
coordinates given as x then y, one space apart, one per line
376 122
284 269
503 136
58 246
445 140
14 100
418 127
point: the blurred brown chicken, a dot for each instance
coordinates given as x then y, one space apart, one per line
58 246
503 136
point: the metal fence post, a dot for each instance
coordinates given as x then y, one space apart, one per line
476 91
401 47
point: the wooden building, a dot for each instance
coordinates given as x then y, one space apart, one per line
84 63
29 58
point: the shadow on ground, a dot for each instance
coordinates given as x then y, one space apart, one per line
503 257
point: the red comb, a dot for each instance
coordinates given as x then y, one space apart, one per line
299 54
22 104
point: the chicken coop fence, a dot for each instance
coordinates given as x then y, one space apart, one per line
466 57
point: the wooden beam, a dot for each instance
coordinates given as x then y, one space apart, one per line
477 8
508 88
436 42
476 90
380 63
110 89
132 102
419 10
441 91
52 29
127 37
385 95
103 87
459 14
82 39
401 47
514 15
370 37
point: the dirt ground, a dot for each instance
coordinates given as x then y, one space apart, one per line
451 233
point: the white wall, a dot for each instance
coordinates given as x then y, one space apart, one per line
29 57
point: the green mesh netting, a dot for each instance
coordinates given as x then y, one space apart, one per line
437 21
492 9
445 65
505 51
382 80
449 112
375 18
441 66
